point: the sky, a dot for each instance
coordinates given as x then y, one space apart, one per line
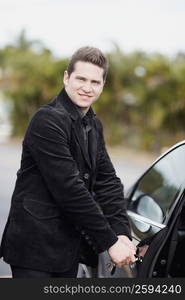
65 25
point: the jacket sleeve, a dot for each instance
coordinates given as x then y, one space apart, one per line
47 138
109 190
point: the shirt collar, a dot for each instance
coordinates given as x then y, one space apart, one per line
82 114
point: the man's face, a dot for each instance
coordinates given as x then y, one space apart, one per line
85 84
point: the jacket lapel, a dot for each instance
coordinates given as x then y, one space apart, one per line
63 101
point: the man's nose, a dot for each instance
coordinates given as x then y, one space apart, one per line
87 88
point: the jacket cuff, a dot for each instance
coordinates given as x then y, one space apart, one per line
100 241
121 229
106 241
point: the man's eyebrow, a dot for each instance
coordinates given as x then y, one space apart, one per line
97 81
80 77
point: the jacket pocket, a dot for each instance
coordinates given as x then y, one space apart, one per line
39 210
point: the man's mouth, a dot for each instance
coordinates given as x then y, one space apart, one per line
89 96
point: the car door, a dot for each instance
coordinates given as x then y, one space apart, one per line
155 209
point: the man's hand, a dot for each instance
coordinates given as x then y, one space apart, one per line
126 241
121 253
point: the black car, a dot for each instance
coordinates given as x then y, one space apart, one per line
156 210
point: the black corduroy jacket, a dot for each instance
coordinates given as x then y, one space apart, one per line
62 194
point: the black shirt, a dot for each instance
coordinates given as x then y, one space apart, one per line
86 124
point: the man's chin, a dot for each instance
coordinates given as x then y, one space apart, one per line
84 104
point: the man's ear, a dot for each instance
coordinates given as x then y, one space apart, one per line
65 78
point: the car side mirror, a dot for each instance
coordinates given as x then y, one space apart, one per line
146 206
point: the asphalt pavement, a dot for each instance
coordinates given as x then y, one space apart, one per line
129 166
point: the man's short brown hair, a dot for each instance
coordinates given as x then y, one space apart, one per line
90 55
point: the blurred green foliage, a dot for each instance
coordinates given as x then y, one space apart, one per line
143 103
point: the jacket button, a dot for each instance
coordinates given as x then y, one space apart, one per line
86 176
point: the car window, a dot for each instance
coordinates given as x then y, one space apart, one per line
160 186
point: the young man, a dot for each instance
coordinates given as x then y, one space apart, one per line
68 202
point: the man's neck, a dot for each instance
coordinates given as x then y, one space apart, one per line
82 110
